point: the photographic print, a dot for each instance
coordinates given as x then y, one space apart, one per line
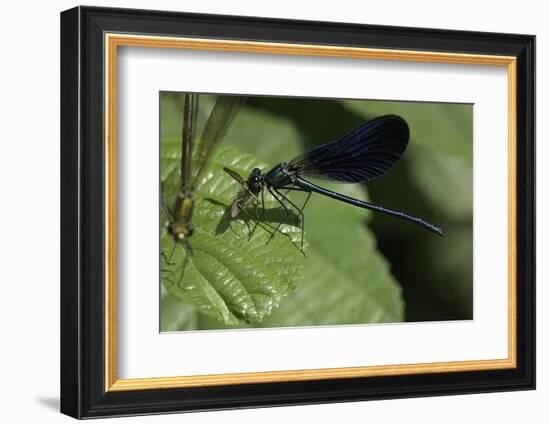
322 198
291 211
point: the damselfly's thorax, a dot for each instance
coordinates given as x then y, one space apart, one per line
180 230
184 204
180 227
289 172
280 175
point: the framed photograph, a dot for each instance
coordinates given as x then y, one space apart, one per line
261 212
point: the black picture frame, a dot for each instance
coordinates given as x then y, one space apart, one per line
83 392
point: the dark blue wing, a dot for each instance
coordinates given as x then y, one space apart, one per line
366 153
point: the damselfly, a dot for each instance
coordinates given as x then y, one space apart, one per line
364 154
179 216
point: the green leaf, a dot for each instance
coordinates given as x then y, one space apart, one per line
221 273
346 281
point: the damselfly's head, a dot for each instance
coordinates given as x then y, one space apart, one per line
180 231
255 179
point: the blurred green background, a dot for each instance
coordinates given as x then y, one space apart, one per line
405 272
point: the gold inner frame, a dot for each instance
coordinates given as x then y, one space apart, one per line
113 41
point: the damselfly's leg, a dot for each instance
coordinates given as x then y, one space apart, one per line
166 209
170 221
167 259
288 189
245 212
258 215
184 245
170 218
299 210
303 221
305 202
259 218
287 211
188 252
298 189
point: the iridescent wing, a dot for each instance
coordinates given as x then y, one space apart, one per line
364 154
190 108
216 126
